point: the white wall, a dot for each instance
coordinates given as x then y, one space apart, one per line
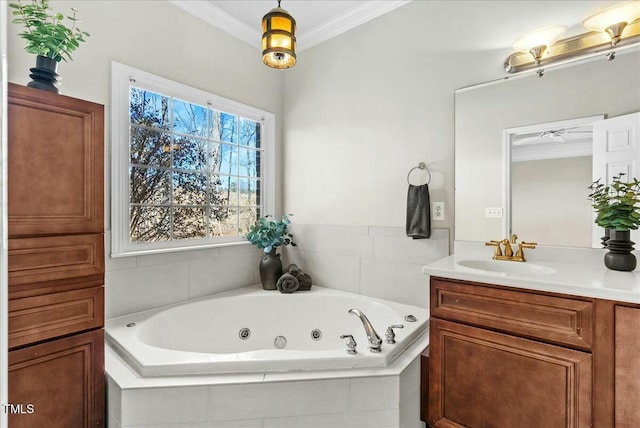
543 192
160 38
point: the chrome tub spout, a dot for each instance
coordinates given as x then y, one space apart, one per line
375 343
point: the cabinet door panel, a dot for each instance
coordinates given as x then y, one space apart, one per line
63 381
627 367
55 163
483 379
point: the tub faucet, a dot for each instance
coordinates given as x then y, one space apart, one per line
375 343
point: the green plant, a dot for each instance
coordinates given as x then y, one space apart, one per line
268 233
617 204
45 33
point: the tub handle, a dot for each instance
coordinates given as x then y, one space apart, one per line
390 335
351 344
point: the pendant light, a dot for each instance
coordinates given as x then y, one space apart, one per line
279 39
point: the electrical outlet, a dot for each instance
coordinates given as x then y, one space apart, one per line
437 211
493 212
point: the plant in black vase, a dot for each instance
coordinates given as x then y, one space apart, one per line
48 38
618 211
268 234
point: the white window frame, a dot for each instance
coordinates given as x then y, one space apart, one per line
122 78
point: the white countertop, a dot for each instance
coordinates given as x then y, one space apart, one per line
588 279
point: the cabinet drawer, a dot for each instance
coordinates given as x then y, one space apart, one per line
558 320
34 319
51 258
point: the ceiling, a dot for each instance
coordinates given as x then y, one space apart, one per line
317 20
478 25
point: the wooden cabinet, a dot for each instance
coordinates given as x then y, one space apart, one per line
56 259
61 380
506 357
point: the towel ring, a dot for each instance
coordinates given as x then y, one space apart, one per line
423 167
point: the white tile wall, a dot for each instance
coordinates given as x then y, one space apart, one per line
379 262
138 283
375 261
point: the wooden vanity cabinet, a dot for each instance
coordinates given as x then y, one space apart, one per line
507 357
55 259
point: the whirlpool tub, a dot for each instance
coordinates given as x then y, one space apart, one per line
252 330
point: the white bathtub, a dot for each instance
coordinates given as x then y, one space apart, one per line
203 336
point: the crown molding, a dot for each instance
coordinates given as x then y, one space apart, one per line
347 21
352 18
220 19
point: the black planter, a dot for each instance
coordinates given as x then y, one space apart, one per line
620 256
44 75
605 238
270 270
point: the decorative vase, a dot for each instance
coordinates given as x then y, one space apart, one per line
620 256
270 270
44 75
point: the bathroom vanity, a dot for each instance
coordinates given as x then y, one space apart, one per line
530 348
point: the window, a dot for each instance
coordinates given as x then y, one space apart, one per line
190 169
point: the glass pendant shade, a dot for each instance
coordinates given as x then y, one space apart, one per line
279 39
614 19
537 41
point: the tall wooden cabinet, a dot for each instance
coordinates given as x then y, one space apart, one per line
56 260
507 357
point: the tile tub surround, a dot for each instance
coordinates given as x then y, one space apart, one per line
379 262
363 398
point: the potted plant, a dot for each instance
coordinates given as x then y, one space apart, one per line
268 234
48 38
617 210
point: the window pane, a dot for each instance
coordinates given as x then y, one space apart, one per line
189 222
149 224
249 192
148 109
224 222
190 153
189 189
190 118
149 147
249 133
227 160
247 217
224 190
227 127
148 186
249 162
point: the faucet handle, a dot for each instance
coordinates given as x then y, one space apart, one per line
522 245
390 335
498 251
351 344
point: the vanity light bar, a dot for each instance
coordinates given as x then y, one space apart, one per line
574 48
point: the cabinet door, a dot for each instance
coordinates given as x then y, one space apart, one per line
483 379
55 163
59 384
627 367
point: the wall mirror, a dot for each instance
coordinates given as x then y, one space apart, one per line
492 118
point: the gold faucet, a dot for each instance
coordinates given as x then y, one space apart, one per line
508 250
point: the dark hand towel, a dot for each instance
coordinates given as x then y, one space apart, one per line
418 212
287 283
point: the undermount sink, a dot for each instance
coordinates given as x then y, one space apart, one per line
507 267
